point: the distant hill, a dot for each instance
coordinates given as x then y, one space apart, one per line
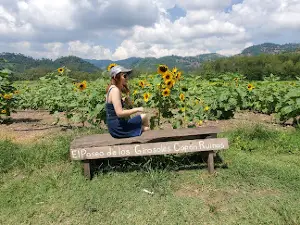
270 48
150 63
20 63
76 64
104 63
26 67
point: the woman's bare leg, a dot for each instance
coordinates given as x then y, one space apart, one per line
145 128
145 122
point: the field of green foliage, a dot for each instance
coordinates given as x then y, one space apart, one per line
183 100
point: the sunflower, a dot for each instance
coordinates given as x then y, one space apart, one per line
178 75
16 92
111 66
166 92
146 97
181 96
206 108
200 122
250 87
142 83
135 92
168 76
82 85
60 70
182 109
162 69
169 83
3 111
174 70
7 96
236 79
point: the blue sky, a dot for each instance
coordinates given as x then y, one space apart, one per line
176 12
117 29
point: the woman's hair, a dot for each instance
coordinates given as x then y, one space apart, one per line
115 81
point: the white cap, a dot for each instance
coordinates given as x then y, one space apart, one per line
118 69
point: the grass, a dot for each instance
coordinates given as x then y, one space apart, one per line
39 185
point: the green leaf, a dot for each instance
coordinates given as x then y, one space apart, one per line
286 110
6 71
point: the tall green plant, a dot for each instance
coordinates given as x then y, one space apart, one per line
7 94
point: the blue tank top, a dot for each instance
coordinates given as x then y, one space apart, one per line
110 110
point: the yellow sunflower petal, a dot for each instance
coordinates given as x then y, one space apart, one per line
250 87
61 70
111 66
141 83
206 108
174 70
146 97
182 97
166 92
169 84
162 69
178 75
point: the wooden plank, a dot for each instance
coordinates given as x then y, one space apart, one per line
98 140
87 169
210 162
140 149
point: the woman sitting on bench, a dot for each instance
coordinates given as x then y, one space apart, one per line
118 125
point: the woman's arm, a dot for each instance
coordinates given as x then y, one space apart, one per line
116 101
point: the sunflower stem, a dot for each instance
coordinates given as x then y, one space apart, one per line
159 106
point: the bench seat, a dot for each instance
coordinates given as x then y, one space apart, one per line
153 142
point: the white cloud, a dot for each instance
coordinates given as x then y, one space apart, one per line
200 4
86 50
117 29
288 15
185 37
9 25
116 13
48 14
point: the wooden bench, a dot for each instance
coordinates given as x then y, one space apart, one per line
154 142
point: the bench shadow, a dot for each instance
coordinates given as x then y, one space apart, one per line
188 161
9 121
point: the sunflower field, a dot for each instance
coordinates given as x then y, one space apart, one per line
8 95
57 92
171 95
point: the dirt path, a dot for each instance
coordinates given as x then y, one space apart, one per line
30 126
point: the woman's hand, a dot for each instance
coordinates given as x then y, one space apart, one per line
140 109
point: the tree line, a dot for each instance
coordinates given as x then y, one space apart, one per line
285 65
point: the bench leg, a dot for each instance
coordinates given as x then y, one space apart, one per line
210 162
87 169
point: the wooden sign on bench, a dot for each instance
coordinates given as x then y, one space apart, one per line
155 142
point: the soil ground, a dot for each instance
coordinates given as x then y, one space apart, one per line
30 125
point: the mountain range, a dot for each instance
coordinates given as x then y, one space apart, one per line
148 63
191 62
20 63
